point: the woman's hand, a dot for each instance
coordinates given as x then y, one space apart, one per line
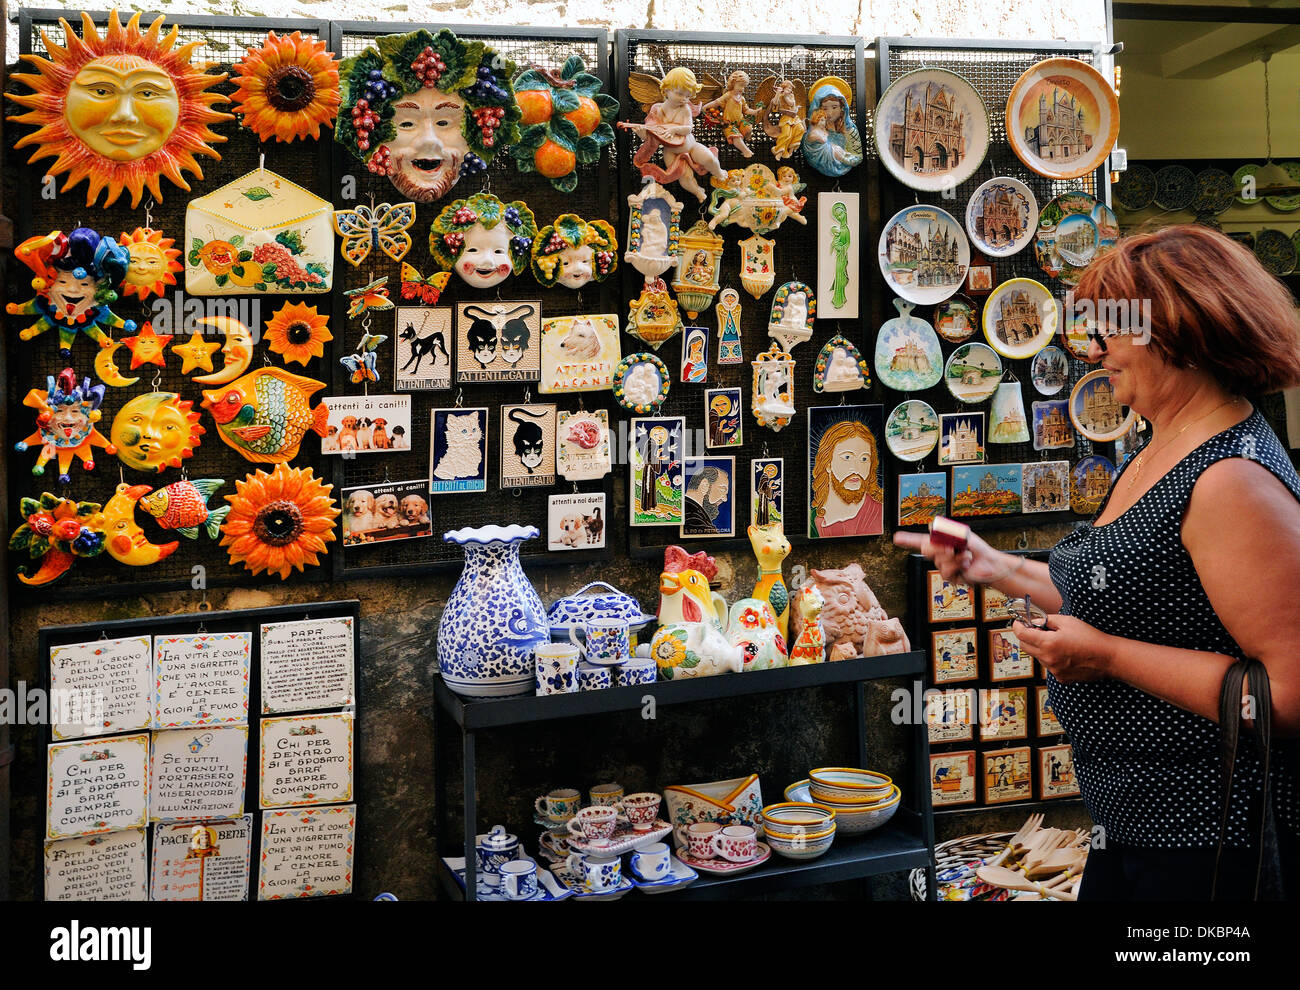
1070 648
979 563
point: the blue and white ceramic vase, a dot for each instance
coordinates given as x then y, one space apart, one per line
494 621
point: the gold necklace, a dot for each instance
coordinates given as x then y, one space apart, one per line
1142 458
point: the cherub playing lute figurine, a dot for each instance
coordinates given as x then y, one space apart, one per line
671 107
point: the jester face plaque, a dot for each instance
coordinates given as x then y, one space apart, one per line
498 341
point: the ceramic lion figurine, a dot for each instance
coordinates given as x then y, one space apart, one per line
853 616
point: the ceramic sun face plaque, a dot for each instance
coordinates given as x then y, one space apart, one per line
831 144
579 353
653 230
722 411
427 110
1001 216
1090 483
121 109
1062 118
657 486
154 265
961 438
699 252
956 319
932 129
923 254
498 341
695 356
845 472
1052 429
1007 415
155 431
986 490
1046 486
794 307
458 443
483 240
922 498
839 246
422 355
972 373
767 491
1020 318
261 233
1094 409
912 430
772 399
1049 370
641 383
528 446
582 444
907 356
840 367
1073 229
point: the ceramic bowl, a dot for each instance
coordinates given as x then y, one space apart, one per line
848 785
788 815
797 846
852 819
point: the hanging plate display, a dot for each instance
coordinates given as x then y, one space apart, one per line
1239 183
932 130
1073 229
1020 318
1094 409
1001 216
1214 192
1049 370
641 383
1074 331
1286 204
907 357
923 254
956 319
1062 118
1275 251
840 367
912 430
1090 482
1136 188
1175 187
973 372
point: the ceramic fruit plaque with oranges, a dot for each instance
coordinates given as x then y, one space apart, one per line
566 122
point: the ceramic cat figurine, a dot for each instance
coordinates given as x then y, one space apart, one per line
463 450
811 645
771 548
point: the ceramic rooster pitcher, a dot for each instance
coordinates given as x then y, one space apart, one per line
494 620
690 641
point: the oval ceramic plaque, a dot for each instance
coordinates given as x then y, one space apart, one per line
1050 370
907 356
1090 482
973 372
1001 216
1020 318
1095 411
932 130
912 430
924 254
641 382
1073 229
956 319
1062 118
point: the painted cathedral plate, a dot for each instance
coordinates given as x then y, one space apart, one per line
907 356
1020 318
1050 370
912 430
973 372
1062 118
1073 229
932 130
1094 410
1001 216
923 254
1090 482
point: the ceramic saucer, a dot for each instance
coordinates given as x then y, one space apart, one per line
624 839
573 884
678 877
722 867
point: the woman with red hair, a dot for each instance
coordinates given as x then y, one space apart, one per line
1191 564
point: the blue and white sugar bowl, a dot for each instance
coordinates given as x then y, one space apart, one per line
597 600
494 849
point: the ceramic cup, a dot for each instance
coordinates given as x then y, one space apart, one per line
557 668
652 862
606 794
594 678
698 838
637 670
594 824
736 843
606 640
559 806
640 810
596 872
519 879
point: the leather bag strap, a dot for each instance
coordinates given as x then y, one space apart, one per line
1231 717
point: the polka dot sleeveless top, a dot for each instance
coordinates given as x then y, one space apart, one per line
1149 771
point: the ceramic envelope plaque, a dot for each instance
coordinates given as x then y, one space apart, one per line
1001 216
582 444
923 254
932 130
1020 318
528 446
1062 118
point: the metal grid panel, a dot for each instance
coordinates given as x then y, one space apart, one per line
807 59
224 41
544 48
992 70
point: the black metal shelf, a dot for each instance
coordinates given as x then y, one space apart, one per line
979 809
483 713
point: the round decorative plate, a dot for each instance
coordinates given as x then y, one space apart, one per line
912 430
907 355
1090 482
923 254
1094 410
1075 324
1136 188
1238 177
1175 187
973 372
1050 370
1062 118
1215 191
1020 318
956 319
1001 216
1286 204
1205 220
932 130
1275 251
641 383
1073 229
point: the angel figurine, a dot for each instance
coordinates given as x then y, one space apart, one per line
786 98
670 124
736 115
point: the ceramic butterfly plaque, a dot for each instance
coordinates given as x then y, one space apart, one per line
932 130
